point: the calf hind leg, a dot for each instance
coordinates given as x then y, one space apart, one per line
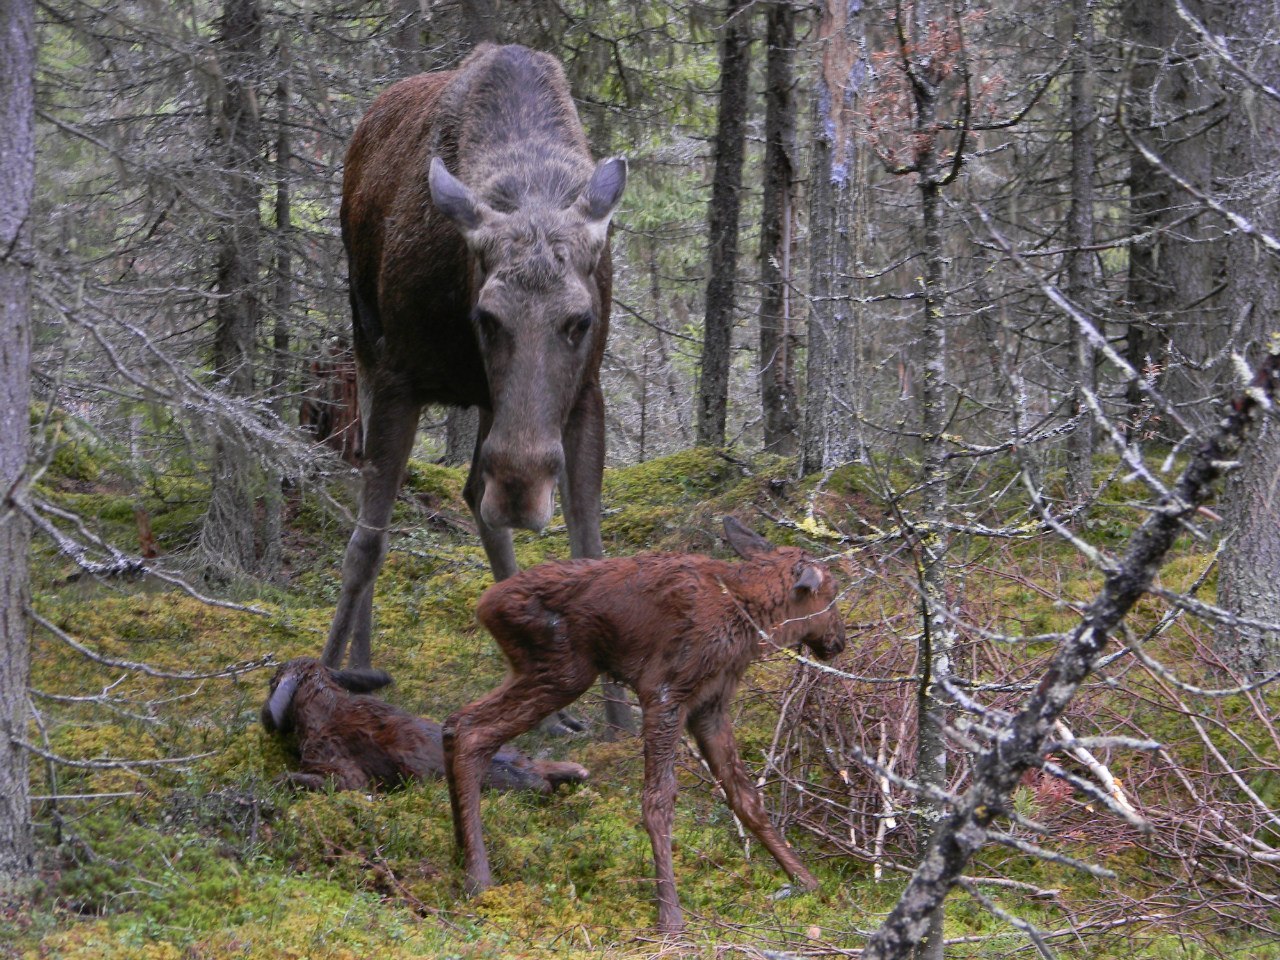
473 735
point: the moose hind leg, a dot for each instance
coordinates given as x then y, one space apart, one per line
473 735
389 434
711 729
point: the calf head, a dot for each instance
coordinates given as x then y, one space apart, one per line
537 316
310 675
808 610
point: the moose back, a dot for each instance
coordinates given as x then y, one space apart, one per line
476 229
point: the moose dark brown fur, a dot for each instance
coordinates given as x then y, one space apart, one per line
354 742
680 630
487 286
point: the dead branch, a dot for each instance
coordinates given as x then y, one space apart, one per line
1020 744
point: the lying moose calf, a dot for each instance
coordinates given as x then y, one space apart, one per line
680 630
353 741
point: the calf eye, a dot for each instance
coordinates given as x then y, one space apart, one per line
577 328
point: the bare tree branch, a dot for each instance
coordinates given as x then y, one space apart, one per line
1020 744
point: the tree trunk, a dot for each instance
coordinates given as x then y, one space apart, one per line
227 537
722 223
1173 270
17 183
931 360
1247 157
460 427
777 376
273 495
830 428
1080 273
480 21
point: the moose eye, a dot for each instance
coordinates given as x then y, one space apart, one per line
488 325
577 328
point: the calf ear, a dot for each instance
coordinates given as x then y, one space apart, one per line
275 712
361 681
454 198
745 542
810 579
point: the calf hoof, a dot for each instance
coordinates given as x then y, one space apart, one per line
558 772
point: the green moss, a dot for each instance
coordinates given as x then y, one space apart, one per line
212 859
431 480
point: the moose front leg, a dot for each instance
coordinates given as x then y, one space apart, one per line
580 495
496 540
711 729
389 432
661 734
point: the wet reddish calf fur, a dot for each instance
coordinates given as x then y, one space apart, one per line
352 742
680 630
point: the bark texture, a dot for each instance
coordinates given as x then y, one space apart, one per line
1248 157
1081 282
836 182
722 223
1172 272
17 180
227 537
777 377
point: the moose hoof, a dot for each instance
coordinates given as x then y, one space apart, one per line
477 882
564 724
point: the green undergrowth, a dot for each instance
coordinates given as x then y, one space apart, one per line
208 857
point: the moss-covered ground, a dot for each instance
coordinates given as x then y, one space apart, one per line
207 857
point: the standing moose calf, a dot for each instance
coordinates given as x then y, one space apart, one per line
680 630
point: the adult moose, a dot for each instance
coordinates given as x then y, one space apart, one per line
476 228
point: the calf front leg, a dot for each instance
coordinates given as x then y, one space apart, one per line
473 735
711 729
661 733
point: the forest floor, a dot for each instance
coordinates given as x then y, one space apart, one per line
209 857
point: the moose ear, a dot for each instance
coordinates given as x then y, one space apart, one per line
453 198
275 712
810 579
361 680
604 189
745 542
